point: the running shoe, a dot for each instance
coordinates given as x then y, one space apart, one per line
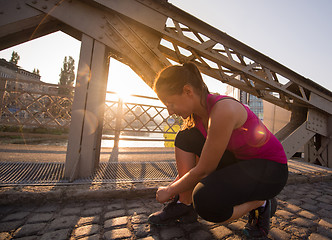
259 220
174 212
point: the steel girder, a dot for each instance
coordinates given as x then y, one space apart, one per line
148 34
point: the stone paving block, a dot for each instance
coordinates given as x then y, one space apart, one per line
327 232
281 196
309 201
71 211
200 235
316 236
294 202
141 230
171 233
279 234
149 238
221 232
114 206
303 222
297 231
327 222
207 223
324 213
56 235
28 238
307 215
15 216
47 208
86 230
141 218
238 225
118 234
9 226
63 222
92 237
6 209
91 211
326 199
309 207
134 204
88 220
284 214
292 208
4 235
29 229
137 210
116 213
325 206
40 217
115 222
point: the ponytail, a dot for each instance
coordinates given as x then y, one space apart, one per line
172 79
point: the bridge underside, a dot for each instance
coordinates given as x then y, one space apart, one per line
147 36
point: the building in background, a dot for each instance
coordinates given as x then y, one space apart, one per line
21 92
12 71
255 103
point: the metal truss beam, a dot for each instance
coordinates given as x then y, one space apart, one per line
147 35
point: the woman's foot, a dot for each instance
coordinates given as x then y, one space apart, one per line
174 212
259 220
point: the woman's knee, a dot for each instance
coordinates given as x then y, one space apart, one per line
190 140
210 206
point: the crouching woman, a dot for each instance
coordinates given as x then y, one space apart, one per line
229 164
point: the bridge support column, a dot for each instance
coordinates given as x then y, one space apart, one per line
319 149
85 132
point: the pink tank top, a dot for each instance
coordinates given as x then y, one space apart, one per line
252 139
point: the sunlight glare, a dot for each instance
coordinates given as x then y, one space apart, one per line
125 82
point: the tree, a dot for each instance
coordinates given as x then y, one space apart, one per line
15 58
67 76
36 71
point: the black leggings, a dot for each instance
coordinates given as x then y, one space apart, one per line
234 182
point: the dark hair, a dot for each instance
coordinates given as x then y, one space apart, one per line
171 80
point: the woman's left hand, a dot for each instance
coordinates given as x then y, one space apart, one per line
163 194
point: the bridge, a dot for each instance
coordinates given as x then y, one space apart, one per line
147 36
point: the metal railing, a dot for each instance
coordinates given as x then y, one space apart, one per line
29 107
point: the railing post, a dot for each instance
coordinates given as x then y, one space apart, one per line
3 84
118 120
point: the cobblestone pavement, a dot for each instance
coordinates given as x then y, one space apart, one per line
304 212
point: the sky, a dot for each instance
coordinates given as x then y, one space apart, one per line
295 33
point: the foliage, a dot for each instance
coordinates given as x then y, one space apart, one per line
36 71
15 57
67 76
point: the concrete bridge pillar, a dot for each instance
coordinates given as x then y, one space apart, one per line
87 110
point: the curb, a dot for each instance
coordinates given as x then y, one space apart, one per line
16 194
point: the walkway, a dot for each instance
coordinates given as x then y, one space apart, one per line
120 211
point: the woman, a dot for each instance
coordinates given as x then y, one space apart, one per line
229 164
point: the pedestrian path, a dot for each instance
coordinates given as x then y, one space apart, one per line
304 212
119 210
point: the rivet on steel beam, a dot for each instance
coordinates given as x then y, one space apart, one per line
102 26
44 6
34 1
100 37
